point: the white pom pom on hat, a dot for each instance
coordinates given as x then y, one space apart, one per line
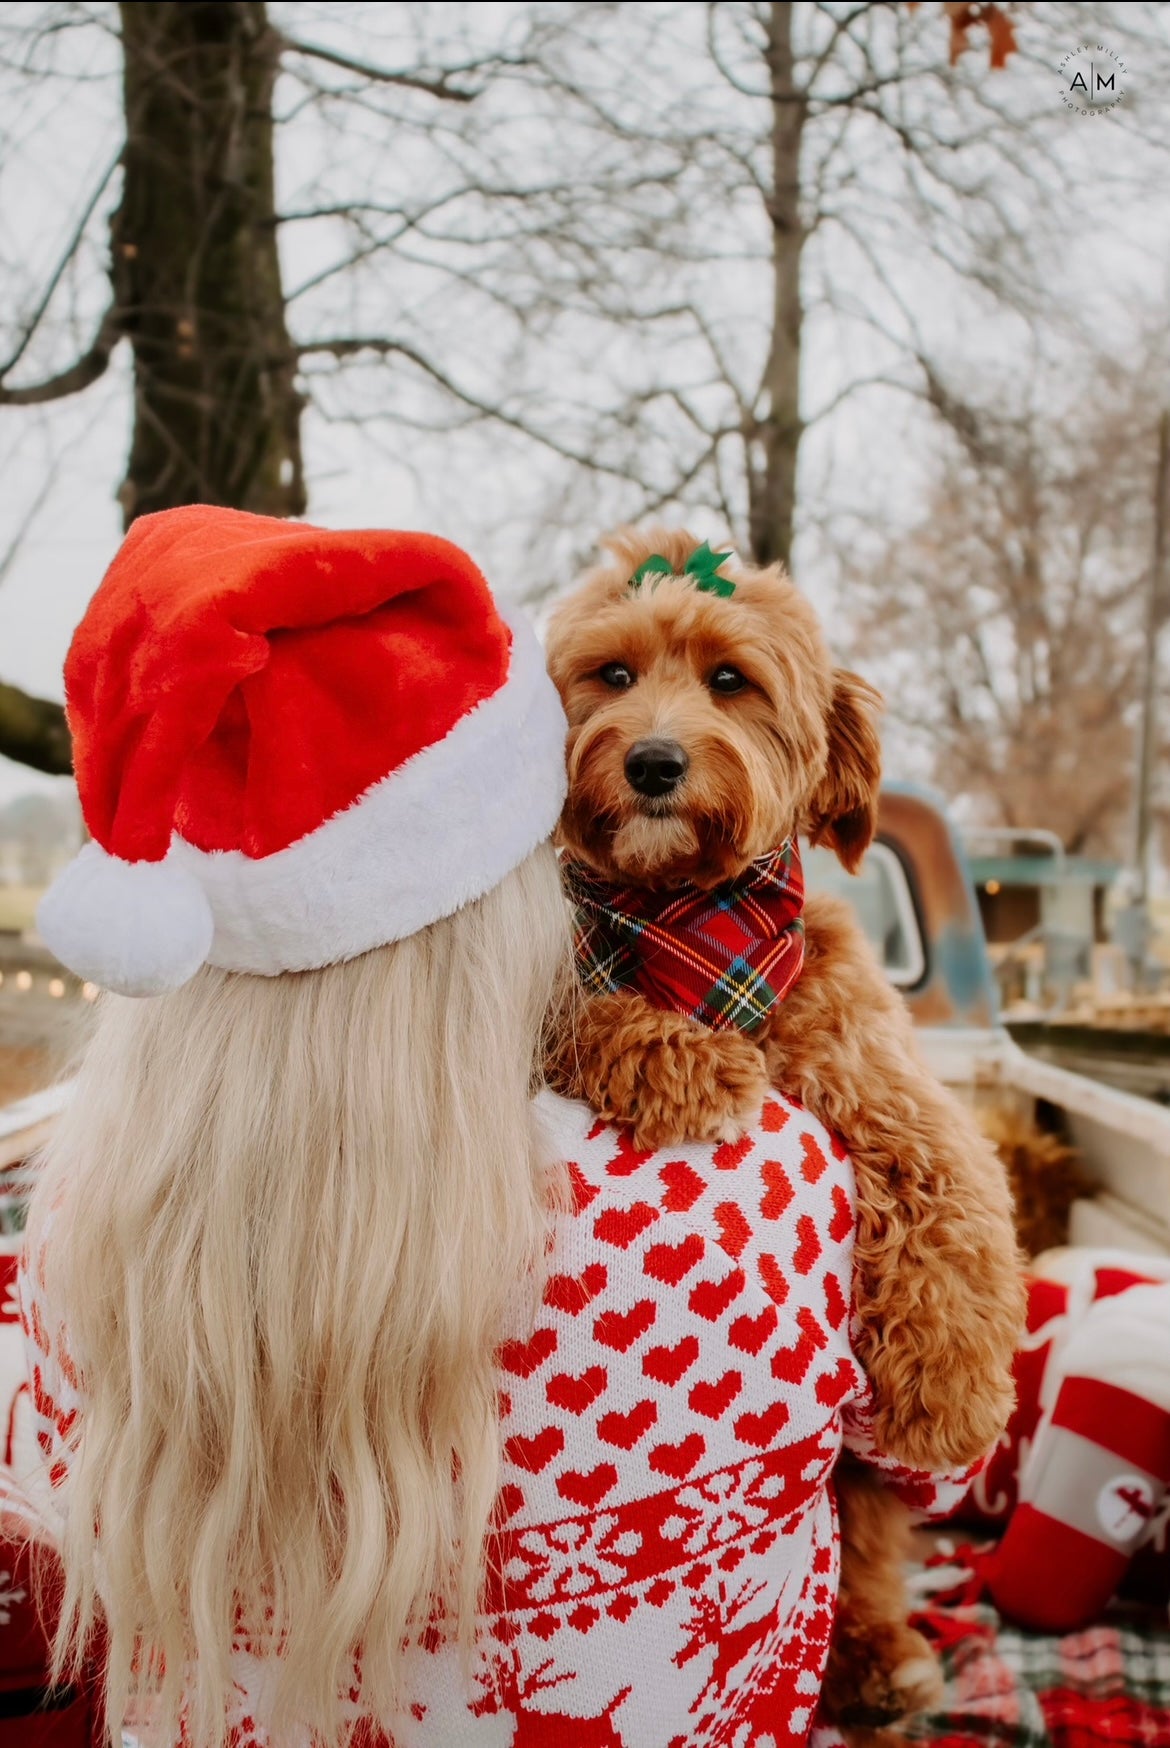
139 928
292 746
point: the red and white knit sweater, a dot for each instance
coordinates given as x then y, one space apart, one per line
669 1542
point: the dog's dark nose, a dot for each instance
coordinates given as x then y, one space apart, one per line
655 767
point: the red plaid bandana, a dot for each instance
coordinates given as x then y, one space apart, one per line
724 957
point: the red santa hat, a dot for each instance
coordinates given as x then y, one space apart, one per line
292 746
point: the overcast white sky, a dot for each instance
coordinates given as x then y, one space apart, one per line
79 446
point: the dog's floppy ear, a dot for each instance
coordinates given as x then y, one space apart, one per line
843 811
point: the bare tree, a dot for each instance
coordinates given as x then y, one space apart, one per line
430 258
1008 618
602 237
858 178
196 281
194 278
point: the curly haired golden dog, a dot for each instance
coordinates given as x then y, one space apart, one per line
755 737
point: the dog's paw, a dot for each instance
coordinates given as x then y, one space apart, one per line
943 1386
940 1400
705 1086
948 1437
879 1673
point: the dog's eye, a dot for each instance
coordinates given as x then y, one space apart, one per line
617 675
727 679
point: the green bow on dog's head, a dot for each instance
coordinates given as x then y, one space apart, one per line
703 565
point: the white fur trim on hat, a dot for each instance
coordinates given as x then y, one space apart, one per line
140 928
443 829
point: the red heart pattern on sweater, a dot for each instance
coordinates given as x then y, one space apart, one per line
537 1452
587 1489
508 1501
621 1329
710 1299
678 1460
572 1293
778 1190
628 1158
730 1155
776 1307
712 1399
810 1324
808 1249
622 1226
834 1386
683 1186
734 1231
836 1309
667 1364
670 1262
761 1429
841 1225
772 1279
625 1430
814 1165
576 1394
749 1334
791 1364
522 1358
583 1191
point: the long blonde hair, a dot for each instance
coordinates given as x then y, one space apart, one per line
286 1221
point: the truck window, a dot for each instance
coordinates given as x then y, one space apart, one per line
880 895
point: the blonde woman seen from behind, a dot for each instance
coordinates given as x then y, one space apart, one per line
385 1403
309 1199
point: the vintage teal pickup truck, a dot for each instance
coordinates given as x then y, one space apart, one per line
915 898
916 901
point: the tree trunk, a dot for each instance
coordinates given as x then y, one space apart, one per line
196 270
197 289
774 437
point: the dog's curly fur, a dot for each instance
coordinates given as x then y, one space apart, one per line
937 1286
879 1667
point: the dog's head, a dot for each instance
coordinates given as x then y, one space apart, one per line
704 728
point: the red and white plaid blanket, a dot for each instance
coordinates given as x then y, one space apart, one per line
1107 1686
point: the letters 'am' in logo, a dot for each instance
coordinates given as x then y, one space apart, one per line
1092 79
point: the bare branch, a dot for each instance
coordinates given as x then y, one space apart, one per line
33 731
437 85
63 261
86 370
32 511
352 346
